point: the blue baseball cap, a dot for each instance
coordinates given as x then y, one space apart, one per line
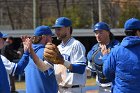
62 22
101 26
3 35
132 24
43 30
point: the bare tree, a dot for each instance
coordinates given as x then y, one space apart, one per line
73 4
9 15
58 7
110 13
64 6
94 11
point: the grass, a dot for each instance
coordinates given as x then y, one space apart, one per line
91 82
21 85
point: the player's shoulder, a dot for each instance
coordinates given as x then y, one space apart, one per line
76 42
95 46
3 57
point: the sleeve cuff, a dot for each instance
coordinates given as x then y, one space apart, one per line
67 64
26 52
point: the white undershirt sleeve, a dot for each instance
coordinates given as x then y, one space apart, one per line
44 65
9 66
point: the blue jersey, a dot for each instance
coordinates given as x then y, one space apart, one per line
36 80
4 85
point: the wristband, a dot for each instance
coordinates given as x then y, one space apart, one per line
67 64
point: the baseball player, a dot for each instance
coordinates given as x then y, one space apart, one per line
122 64
94 56
7 67
36 80
70 61
43 65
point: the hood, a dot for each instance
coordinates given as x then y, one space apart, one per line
36 47
130 41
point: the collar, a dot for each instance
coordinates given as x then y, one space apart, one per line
63 45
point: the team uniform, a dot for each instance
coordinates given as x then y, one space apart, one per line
71 81
11 69
122 68
4 85
95 60
15 68
36 80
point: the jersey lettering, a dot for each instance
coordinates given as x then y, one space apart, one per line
66 57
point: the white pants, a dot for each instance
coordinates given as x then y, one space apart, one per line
71 90
104 89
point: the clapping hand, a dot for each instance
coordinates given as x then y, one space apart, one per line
27 43
104 49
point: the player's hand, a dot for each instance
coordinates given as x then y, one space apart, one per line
26 43
104 50
24 37
52 54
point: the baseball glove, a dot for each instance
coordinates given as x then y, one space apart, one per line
52 54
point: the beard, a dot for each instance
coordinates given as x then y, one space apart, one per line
61 37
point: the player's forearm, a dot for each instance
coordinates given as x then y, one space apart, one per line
75 68
42 65
22 63
34 56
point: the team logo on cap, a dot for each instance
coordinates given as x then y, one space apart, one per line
100 57
56 21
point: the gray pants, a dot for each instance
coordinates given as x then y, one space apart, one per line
104 89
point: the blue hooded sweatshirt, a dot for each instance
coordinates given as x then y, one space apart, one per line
122 66
4 85
36 80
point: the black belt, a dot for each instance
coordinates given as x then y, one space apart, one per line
74 86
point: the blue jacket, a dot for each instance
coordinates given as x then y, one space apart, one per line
36 80
122 66
4 85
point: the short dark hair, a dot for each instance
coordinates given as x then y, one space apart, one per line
11 38
36 39
71 29
111 36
